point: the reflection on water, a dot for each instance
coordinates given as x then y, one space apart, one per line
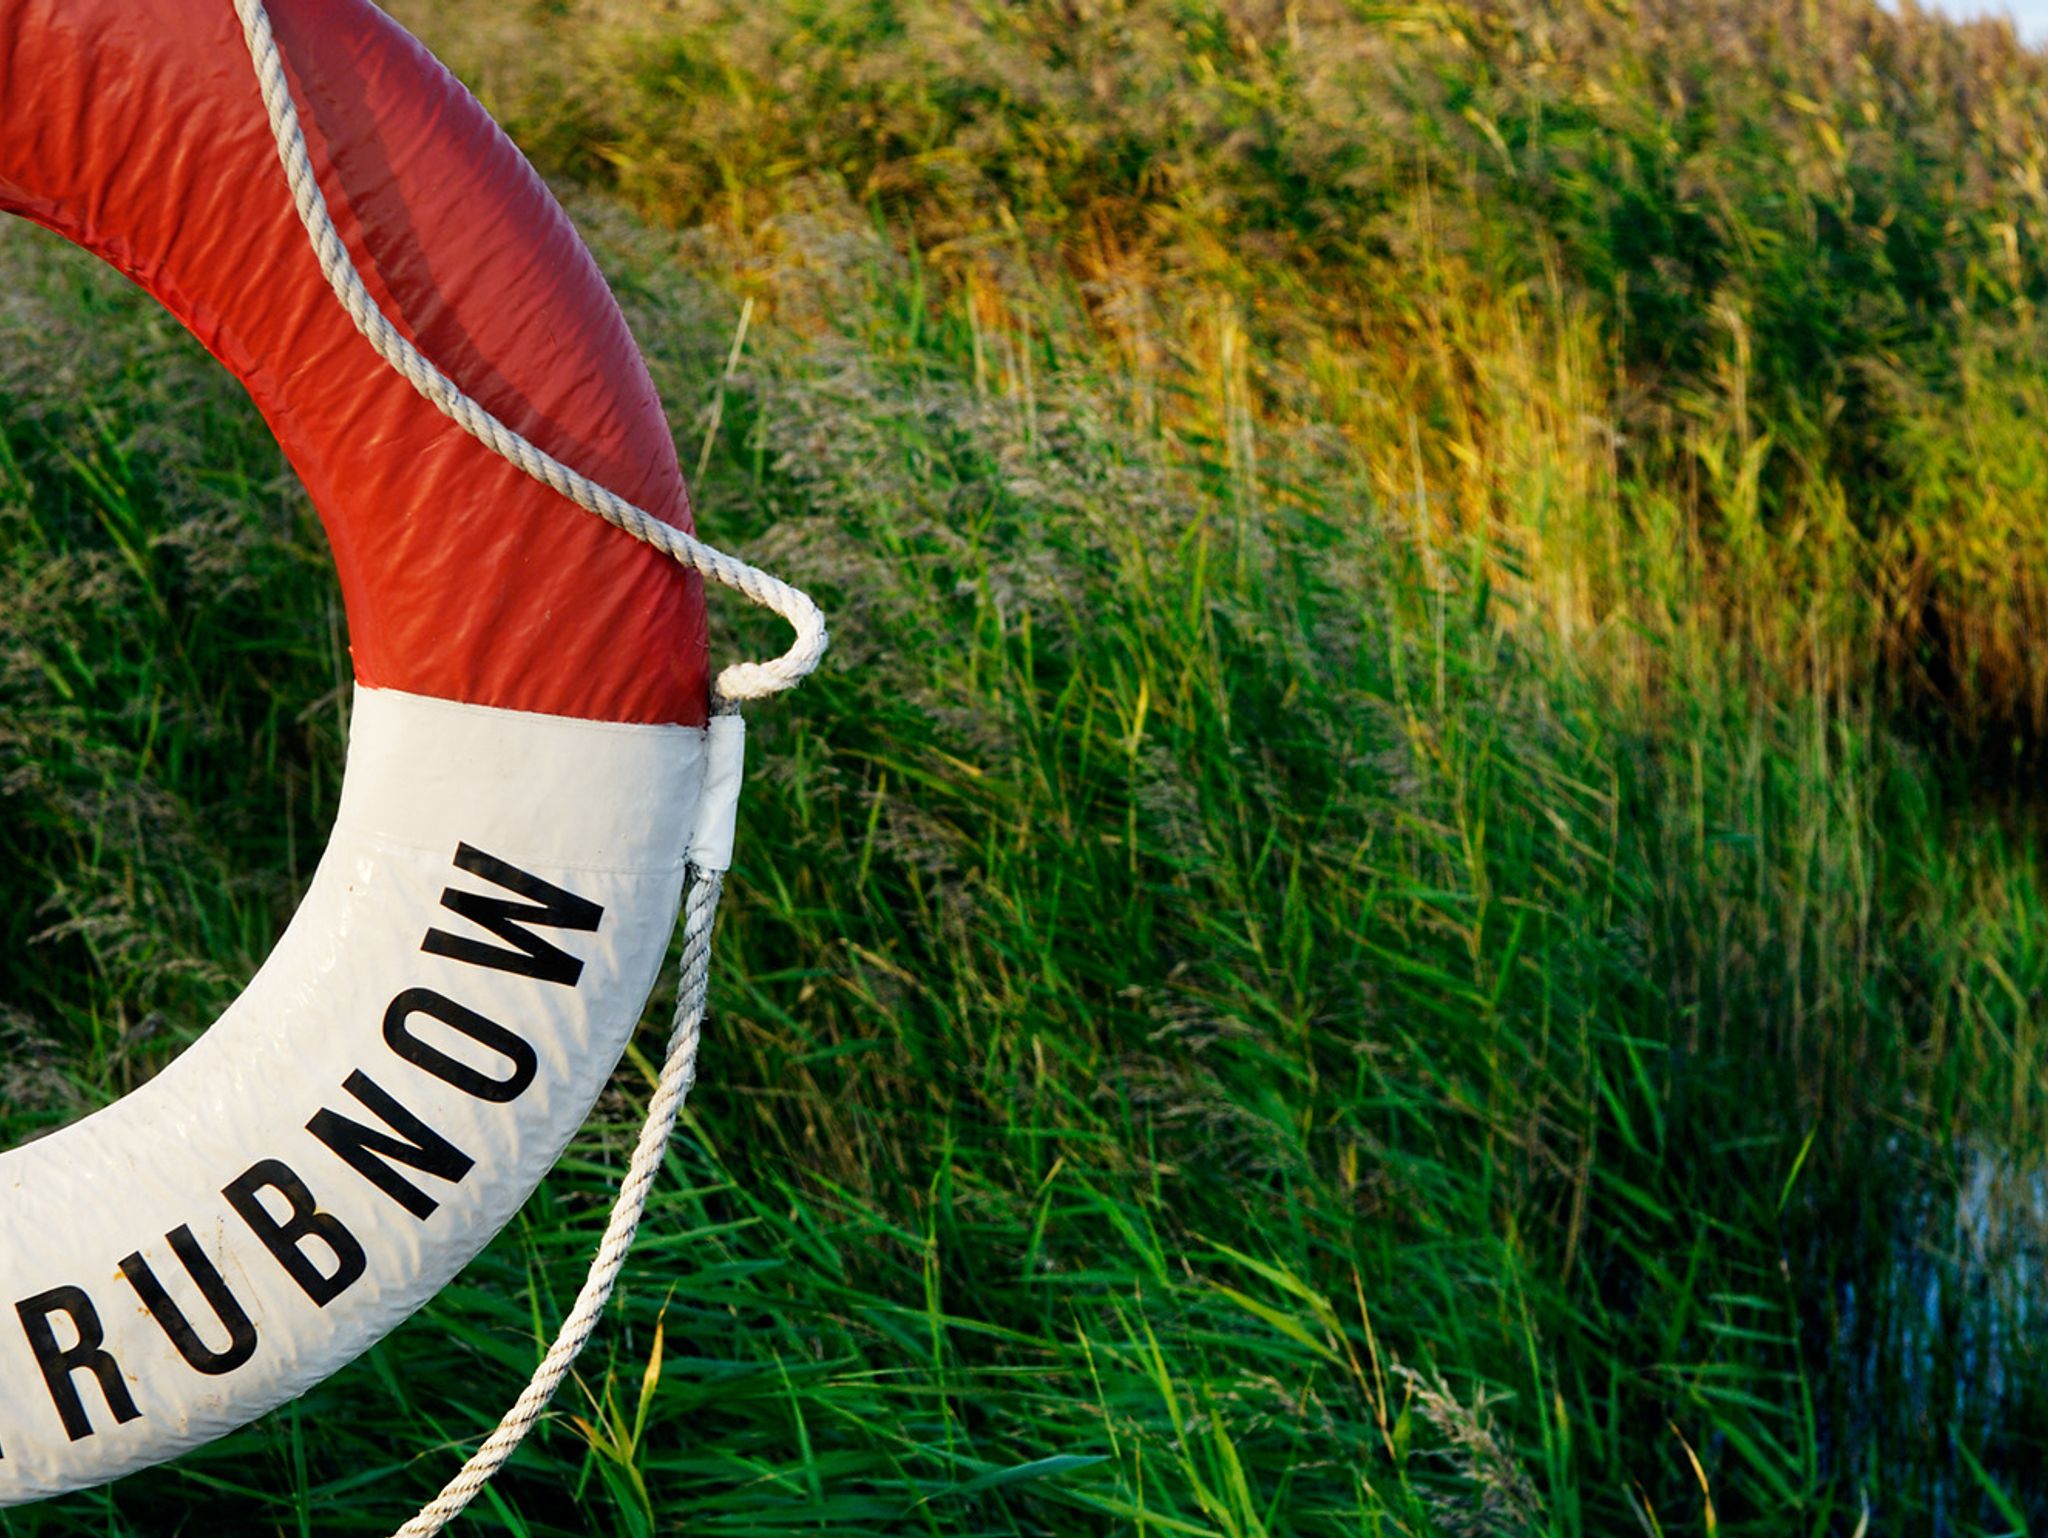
1938 1350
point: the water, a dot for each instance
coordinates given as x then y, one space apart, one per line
1938 1365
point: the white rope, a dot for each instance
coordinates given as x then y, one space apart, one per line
741 681
678 1073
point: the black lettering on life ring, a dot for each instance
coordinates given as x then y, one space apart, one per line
372 1153
548 905
87 1354
286 1240
487 1033
213 1288
365 1149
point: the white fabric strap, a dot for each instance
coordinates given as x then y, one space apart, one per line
718 803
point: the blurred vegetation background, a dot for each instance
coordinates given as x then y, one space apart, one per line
1412 903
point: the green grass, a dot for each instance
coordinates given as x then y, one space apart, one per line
1379 923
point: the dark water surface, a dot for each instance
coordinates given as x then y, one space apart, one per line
1938 1360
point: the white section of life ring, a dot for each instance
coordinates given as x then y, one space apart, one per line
467 966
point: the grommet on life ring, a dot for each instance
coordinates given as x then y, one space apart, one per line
528 735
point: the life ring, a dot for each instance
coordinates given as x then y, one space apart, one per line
527 751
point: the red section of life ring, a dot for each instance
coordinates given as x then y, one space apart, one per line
138 132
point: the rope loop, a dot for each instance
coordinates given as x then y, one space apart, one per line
738 683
